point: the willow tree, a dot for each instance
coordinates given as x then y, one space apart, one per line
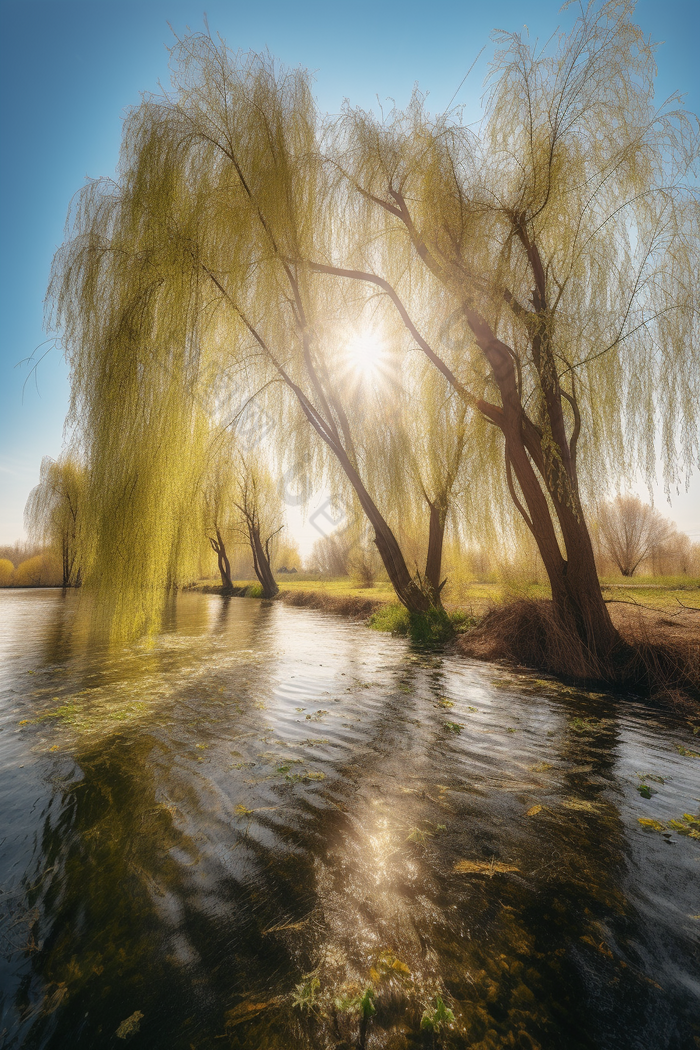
175 269
232 157
257 500
54 512
564 234
631 531
124 298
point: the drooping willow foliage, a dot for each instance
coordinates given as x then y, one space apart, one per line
55 513
563 235
531 283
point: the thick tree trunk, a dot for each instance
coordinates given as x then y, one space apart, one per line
408 590
433 563
219 548
583 597
576 592
261 563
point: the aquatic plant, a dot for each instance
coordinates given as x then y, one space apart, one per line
305 995
436 1016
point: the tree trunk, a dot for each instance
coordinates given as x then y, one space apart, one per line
261 562
66 562
408 590
583 598
219 548
433 563
576 592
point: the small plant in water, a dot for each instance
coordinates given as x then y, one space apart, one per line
305 995
430 628
367 1010
583 725
419 836
363 1004
366 1004
434 1017
687 751
453 727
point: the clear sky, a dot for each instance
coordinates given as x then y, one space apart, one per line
70 69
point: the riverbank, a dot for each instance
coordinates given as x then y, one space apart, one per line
665 594
658 620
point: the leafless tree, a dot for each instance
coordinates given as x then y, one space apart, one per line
631 531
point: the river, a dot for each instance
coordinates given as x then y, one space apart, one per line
273 829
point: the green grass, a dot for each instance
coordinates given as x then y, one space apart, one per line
471 599
428 628
654 592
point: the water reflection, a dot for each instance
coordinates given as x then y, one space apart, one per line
240 834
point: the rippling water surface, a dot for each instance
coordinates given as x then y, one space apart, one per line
240 835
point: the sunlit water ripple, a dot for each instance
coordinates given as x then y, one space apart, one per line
227 837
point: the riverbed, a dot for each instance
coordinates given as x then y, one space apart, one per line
270 828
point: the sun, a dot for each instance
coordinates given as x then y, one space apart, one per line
366 354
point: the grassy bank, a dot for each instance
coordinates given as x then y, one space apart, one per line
664 593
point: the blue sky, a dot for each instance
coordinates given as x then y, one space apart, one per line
70 68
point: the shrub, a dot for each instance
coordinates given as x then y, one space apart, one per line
429 628
40 571
393 618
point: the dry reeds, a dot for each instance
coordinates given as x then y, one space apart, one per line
662 666
343 605
529 631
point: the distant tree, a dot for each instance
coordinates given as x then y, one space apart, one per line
20 550
41 570
6 571
53 513
672 554
631 531
364 564
257 500
694 560
330 554
287 556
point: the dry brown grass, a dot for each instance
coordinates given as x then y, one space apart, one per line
658 656
342 605
664 653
